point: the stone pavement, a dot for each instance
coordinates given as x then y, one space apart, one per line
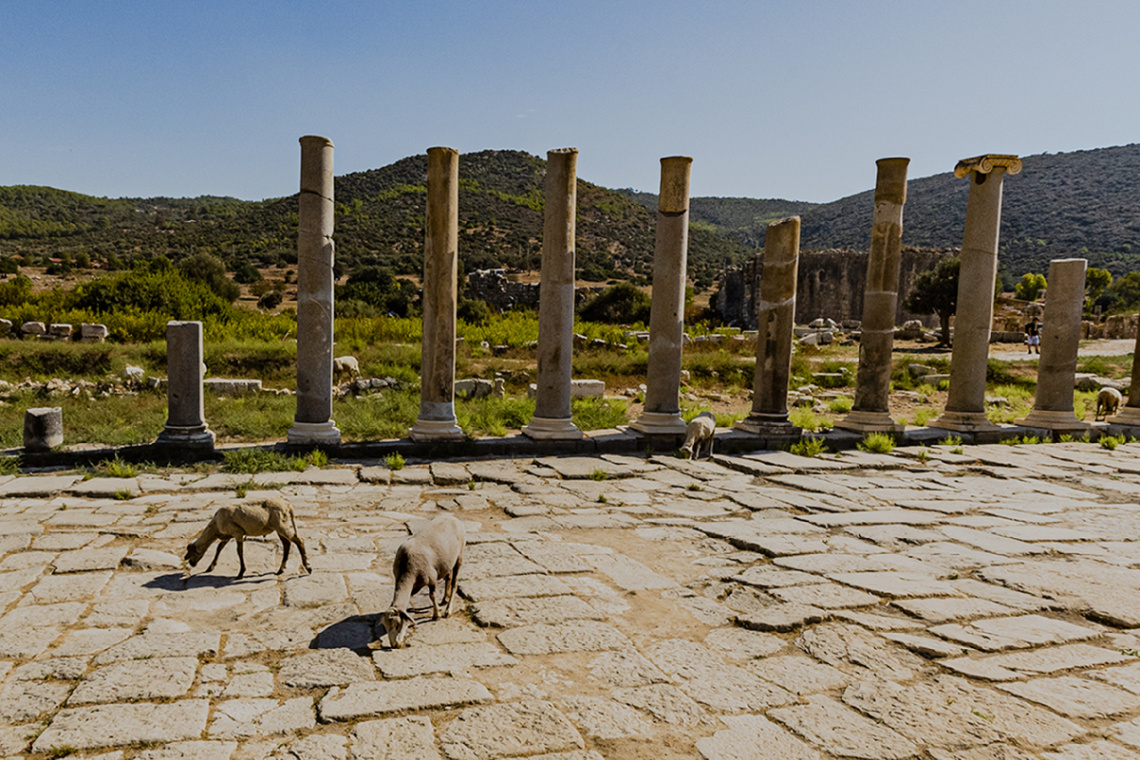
980 605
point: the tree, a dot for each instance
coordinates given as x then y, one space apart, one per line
1030 286
380 289
622 303
209 269
246 273
1127 290
936 292
1096 282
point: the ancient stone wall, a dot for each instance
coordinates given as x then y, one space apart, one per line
498 290
830 286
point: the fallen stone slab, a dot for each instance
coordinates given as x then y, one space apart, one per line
782 617
118 724
505 730
574 636
150 559
361 700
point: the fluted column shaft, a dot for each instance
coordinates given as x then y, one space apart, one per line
552 418
966 403
441 262
315 217
870 412
776 320
1060 339
662 413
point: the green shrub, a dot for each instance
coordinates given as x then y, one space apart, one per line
622 303
877 443
10 465
808 447
116 468
804 417
395 461
599 413
493 416
254 460
841 404
1110 442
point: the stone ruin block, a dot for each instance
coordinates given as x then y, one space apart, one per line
33 329
93 333
43 428
219 386
60 330
579 389
473 387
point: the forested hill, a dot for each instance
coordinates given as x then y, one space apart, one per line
743 219
1084 204
380 217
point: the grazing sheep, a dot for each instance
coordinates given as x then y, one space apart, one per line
430 556
699 433
257 518
1107 402
345 368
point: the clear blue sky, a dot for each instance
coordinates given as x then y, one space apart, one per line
772 99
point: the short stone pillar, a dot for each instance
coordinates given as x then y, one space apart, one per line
776 318
437 420
552 418
870 412
185 413
662 413
1060 338
1130 414
313 422
43 428
966 404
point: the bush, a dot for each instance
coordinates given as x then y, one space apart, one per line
877 443
809 447
247 274
622 304
269 301
209 270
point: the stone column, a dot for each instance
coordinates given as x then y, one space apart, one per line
1060 338
966 405
313 422
185 416
870 412
1130 414
776 320
662 413
552 419
437 420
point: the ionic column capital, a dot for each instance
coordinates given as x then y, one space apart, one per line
987 163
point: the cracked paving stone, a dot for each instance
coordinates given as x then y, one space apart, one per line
574 636
896 584
782 617
603 718
506 613
394 739
826 596
360 700
995 634
453 658
943 610
240 718
950 712
22 701
798 674
839 730
98 726
628 574
191 750
842 644
315 590
327 667
744 643
666 703
512 586
148 645
1075 697
747 734
626 668
503 730
1010 667
162 677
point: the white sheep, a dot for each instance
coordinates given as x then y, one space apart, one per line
699 433
427 557
345 368
1107 402
256 518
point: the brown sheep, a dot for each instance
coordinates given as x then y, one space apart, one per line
256 518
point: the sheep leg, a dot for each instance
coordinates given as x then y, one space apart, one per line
213 564
285 558
449 589
434 602
301 548
241 556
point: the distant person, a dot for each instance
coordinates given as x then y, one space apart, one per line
1033 337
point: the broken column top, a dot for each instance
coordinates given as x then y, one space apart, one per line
987 163
674 195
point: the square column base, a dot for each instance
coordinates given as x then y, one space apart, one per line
551 429
1057 422
964 422
775 425
869 422
314 432
436 430
197 436
659 423
1129 415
